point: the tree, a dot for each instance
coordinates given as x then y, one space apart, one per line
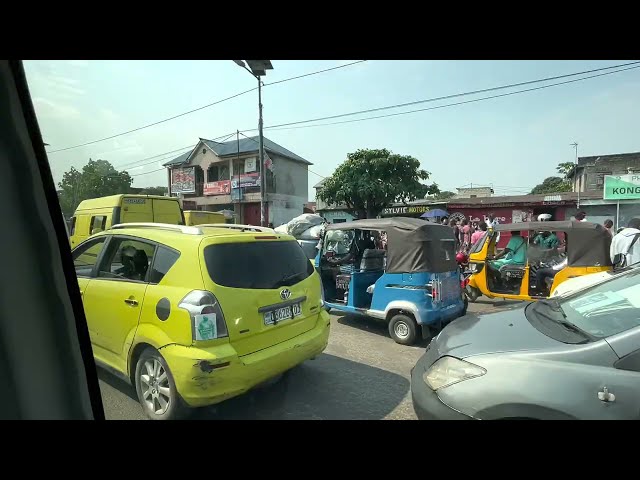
154 191
371 179
552 185
98 179
565 169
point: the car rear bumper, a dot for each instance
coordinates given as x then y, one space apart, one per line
199 387
426 402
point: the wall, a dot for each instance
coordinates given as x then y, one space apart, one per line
333 215
596 167
283 208
291 178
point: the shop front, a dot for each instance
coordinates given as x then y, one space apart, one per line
410 210
512 209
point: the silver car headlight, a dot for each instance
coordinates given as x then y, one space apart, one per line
449 370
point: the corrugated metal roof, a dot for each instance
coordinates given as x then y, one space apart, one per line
245 145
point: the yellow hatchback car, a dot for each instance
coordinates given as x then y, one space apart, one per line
192 316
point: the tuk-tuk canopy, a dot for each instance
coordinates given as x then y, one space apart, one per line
413 245
588 243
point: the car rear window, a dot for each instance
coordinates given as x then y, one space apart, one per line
257 264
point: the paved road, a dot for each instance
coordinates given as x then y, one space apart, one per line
362 374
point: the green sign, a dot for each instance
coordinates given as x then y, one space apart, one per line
621 187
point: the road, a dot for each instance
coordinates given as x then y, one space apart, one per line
362 375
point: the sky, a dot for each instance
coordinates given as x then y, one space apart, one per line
511 143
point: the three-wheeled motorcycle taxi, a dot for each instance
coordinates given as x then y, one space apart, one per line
539 257
401 270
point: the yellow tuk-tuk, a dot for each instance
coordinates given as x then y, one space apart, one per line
539 257
200 217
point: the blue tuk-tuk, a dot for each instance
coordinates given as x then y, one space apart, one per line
401 270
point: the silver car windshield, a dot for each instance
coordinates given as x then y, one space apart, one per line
608 308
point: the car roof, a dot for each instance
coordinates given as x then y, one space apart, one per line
114 200
180 235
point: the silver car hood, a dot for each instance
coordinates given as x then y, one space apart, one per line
505 331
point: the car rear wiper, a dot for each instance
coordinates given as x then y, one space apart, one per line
286 279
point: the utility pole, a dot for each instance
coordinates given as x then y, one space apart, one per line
238 165
575 146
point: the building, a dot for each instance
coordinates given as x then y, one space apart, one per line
473 192
588 176
518 208
226 176
332 213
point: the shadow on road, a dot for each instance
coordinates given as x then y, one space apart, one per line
117 383
372 325
328 388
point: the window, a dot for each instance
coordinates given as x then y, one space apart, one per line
164 260
127 259
73 225
98 224
86 256
257 264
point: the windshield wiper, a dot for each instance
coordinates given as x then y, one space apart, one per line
286 278
555 306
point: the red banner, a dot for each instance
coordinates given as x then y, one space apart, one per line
222 187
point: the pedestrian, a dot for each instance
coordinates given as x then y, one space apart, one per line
581 216
456 233
465 236
478 234
492 223
608 224
624 246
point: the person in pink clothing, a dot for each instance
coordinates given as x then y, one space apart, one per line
478 234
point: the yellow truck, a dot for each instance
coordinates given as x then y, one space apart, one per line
200 217
97 214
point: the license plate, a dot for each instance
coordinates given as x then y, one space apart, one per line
283 313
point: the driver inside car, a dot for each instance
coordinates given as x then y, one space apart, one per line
515 253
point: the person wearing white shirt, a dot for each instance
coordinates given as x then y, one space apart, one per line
625 244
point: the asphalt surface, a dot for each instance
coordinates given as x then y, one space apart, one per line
362 375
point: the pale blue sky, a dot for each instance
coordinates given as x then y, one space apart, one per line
512 142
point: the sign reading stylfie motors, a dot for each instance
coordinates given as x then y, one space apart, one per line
621 187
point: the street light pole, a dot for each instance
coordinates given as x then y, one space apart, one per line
259 68
575 145
261 152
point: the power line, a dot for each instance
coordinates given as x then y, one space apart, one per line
279 127
200 108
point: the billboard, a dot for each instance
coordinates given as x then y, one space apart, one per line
621 187
246 180
221 187
183 180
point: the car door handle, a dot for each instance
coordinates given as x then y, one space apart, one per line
606 396
130 301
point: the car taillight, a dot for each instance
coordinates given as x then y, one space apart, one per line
207 319
432 291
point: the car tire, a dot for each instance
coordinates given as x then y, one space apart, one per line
156 388
473 294
403 329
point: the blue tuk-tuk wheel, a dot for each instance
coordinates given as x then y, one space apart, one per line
403 329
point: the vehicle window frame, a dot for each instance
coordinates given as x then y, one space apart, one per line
112 240
99 258
155 256
73 226
103 223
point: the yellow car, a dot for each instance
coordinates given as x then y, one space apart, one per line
192 316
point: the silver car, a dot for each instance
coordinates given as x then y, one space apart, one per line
570 357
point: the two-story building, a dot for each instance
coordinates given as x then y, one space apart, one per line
218 176
473 192
588 181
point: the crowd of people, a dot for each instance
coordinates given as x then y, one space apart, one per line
468 233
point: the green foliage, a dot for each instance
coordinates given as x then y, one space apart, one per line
372 179
565 169
98 178
552 185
